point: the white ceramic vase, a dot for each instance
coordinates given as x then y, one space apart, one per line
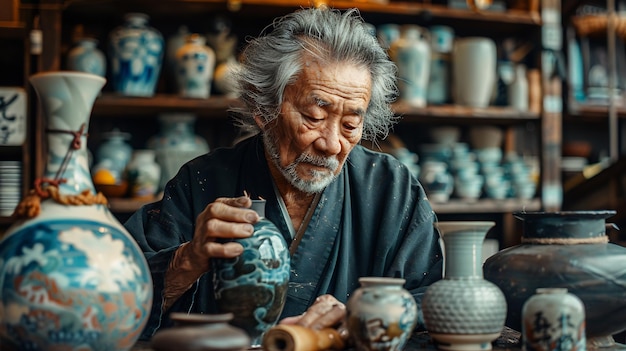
411 53
144 174
195 63
463 311
473 71
71 277
381 314
553 319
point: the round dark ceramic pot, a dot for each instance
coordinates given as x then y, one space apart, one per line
565 250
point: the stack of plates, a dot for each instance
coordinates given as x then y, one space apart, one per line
10 186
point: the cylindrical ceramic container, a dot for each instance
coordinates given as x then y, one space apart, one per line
553 319
381 314
473 71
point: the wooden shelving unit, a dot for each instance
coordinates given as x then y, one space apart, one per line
59 15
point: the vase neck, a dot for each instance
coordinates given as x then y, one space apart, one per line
66 100
463 254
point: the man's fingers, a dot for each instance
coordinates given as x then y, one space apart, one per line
331 318
224 210
225 250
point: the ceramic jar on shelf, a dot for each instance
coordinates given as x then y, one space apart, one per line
569 249
473 71
463 311
136 54
71 277
176 143
381 314
253 286
116 149
144 174
86 57
195 63
442 40
411 53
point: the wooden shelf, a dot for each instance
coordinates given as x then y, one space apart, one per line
594 111
168 8
217 106
127 205
114 105
12 30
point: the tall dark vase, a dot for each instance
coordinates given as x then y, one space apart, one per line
565 250
253 286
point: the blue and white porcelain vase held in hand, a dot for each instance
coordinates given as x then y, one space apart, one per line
71 277
463 311
253 286
86 57
195 63
381 314
136 56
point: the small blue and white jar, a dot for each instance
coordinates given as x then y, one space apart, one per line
553 319
195 63
136 56
86 57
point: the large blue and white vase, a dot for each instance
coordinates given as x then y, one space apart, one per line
463 311
195 62
86 57
71 277
253 286
136 56
381 314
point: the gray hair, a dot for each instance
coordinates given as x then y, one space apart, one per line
272 61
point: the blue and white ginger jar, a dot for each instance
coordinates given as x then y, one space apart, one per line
136 56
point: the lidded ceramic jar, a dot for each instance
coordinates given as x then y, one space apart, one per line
553 319
253 286
136 54
567 249
463 311
381 314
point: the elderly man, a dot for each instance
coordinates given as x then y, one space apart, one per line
312 89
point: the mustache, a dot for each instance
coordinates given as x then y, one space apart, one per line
327 162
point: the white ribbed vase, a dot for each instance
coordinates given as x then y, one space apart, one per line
463 311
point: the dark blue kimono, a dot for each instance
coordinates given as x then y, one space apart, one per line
373 220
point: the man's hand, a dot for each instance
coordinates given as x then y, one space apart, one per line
326 312
226 218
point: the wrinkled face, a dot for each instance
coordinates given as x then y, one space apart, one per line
321 121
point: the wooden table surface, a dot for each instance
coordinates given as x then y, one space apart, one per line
508 341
